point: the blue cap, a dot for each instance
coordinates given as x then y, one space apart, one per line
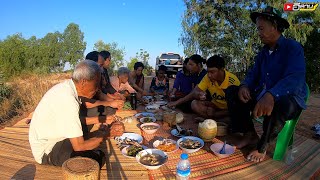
184 156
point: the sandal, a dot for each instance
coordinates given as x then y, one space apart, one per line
316 127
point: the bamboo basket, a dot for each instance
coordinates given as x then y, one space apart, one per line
81 168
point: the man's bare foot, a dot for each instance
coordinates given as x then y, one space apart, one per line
255 156
246 139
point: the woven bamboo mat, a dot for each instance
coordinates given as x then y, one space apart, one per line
17 161
204 164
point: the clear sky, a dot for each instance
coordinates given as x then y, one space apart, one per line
153 25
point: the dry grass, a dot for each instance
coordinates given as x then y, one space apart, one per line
26 92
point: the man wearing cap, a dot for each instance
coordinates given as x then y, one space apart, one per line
275 88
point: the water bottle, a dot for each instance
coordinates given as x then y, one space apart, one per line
290 154
133 102
183 167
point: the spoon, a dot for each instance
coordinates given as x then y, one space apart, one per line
223 149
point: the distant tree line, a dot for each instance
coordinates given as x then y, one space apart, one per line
51 53
41 55
224 27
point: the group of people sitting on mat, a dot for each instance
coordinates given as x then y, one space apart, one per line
274 88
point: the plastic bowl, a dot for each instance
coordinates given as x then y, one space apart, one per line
216 147
152 151
142 120
189 151
150 131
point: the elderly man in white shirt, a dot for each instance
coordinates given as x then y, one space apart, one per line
55 133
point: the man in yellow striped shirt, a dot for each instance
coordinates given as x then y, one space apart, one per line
216 81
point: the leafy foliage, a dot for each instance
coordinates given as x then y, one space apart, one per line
117 54
224 27
43 55
142 56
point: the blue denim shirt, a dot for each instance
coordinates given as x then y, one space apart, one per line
281 73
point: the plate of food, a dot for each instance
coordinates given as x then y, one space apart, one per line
144 114
181 132
166 145
152 108
147 99
132 151
159 97
148 120
161 103
131 137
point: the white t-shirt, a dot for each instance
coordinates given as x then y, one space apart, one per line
55 119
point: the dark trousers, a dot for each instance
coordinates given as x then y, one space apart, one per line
63 151
101 112
284 109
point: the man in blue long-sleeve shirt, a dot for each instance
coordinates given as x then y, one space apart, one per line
274 88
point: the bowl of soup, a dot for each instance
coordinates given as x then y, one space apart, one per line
150 128
148 120
190 144
152 158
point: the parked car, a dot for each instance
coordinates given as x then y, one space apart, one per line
173 62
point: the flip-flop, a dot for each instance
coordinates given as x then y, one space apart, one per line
316 127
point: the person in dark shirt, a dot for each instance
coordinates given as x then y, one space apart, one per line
160 83
195 66
183 84
106 87
100 105
275 88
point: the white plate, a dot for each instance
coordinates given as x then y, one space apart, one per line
132 136
125 153
161 103
157 142
152 108
144 114
147 97
174 132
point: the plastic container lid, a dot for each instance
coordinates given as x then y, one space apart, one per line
184 156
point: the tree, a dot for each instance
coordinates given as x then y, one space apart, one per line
72 44
313 60
144 57
224 27
44 55
117 54
12 55
130 64
51 53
